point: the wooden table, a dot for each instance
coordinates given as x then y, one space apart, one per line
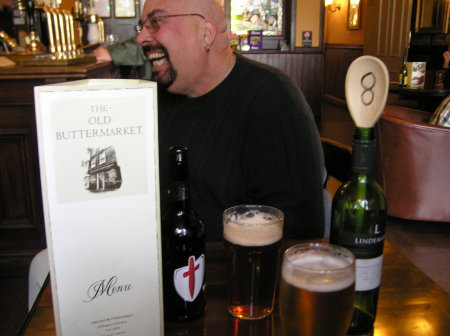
428 98
409 304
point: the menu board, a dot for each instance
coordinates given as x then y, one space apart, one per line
98 152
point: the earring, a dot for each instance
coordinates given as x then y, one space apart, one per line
208 48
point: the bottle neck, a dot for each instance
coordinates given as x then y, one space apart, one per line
178 192
178 195
364 147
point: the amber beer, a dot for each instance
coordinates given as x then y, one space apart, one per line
317 290
252 238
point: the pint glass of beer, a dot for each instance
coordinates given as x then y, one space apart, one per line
317 290
252 238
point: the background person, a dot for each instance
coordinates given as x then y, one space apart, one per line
128 54
445 63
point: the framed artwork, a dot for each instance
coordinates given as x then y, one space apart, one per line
354 14
124 8
103 8
262 15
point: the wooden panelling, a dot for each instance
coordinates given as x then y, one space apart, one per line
338 58
305 69
387 32
15 203
22 232
21 219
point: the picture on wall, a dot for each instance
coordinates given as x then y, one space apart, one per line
354 14
103 8
124 8
257 15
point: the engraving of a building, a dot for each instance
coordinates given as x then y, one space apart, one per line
103 172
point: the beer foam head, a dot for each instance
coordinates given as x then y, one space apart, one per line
319 271
252 228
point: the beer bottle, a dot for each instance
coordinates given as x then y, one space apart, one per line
358 224
183 244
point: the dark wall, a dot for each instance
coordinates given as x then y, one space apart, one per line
338 58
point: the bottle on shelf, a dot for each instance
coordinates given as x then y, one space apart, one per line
403 74
183 246
358 224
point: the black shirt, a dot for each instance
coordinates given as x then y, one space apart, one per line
252 140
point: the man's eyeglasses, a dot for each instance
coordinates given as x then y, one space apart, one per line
152 23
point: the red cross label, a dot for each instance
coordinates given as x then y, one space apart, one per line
188 279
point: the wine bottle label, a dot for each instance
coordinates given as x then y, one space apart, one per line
368 251
368 273
188 280
362 246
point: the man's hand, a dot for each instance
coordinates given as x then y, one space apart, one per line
102 54
446 56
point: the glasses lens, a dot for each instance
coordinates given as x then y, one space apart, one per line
152 24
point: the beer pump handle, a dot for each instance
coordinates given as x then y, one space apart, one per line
30 13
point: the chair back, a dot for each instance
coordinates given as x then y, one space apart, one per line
413 164
338 162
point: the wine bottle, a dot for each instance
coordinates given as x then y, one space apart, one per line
183 244
358 224
403 74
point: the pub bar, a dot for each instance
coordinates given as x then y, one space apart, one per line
287 105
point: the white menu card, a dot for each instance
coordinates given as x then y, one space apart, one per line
98 152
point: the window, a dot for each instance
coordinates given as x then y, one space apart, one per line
102 158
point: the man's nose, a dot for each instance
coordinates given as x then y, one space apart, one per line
144 36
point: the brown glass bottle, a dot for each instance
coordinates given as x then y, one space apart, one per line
183 243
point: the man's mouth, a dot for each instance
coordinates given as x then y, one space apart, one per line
156 55
156 59
162 71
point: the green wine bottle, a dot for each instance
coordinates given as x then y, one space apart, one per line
403 74
358 224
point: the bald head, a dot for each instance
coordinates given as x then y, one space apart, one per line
214 11
211 9
189 49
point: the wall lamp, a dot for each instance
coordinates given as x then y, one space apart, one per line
332 6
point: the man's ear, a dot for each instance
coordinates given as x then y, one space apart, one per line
209 33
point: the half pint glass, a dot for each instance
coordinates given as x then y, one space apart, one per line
252 238
317 290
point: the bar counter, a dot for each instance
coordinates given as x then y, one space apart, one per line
22 224
409 304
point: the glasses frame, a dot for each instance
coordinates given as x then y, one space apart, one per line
154 22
